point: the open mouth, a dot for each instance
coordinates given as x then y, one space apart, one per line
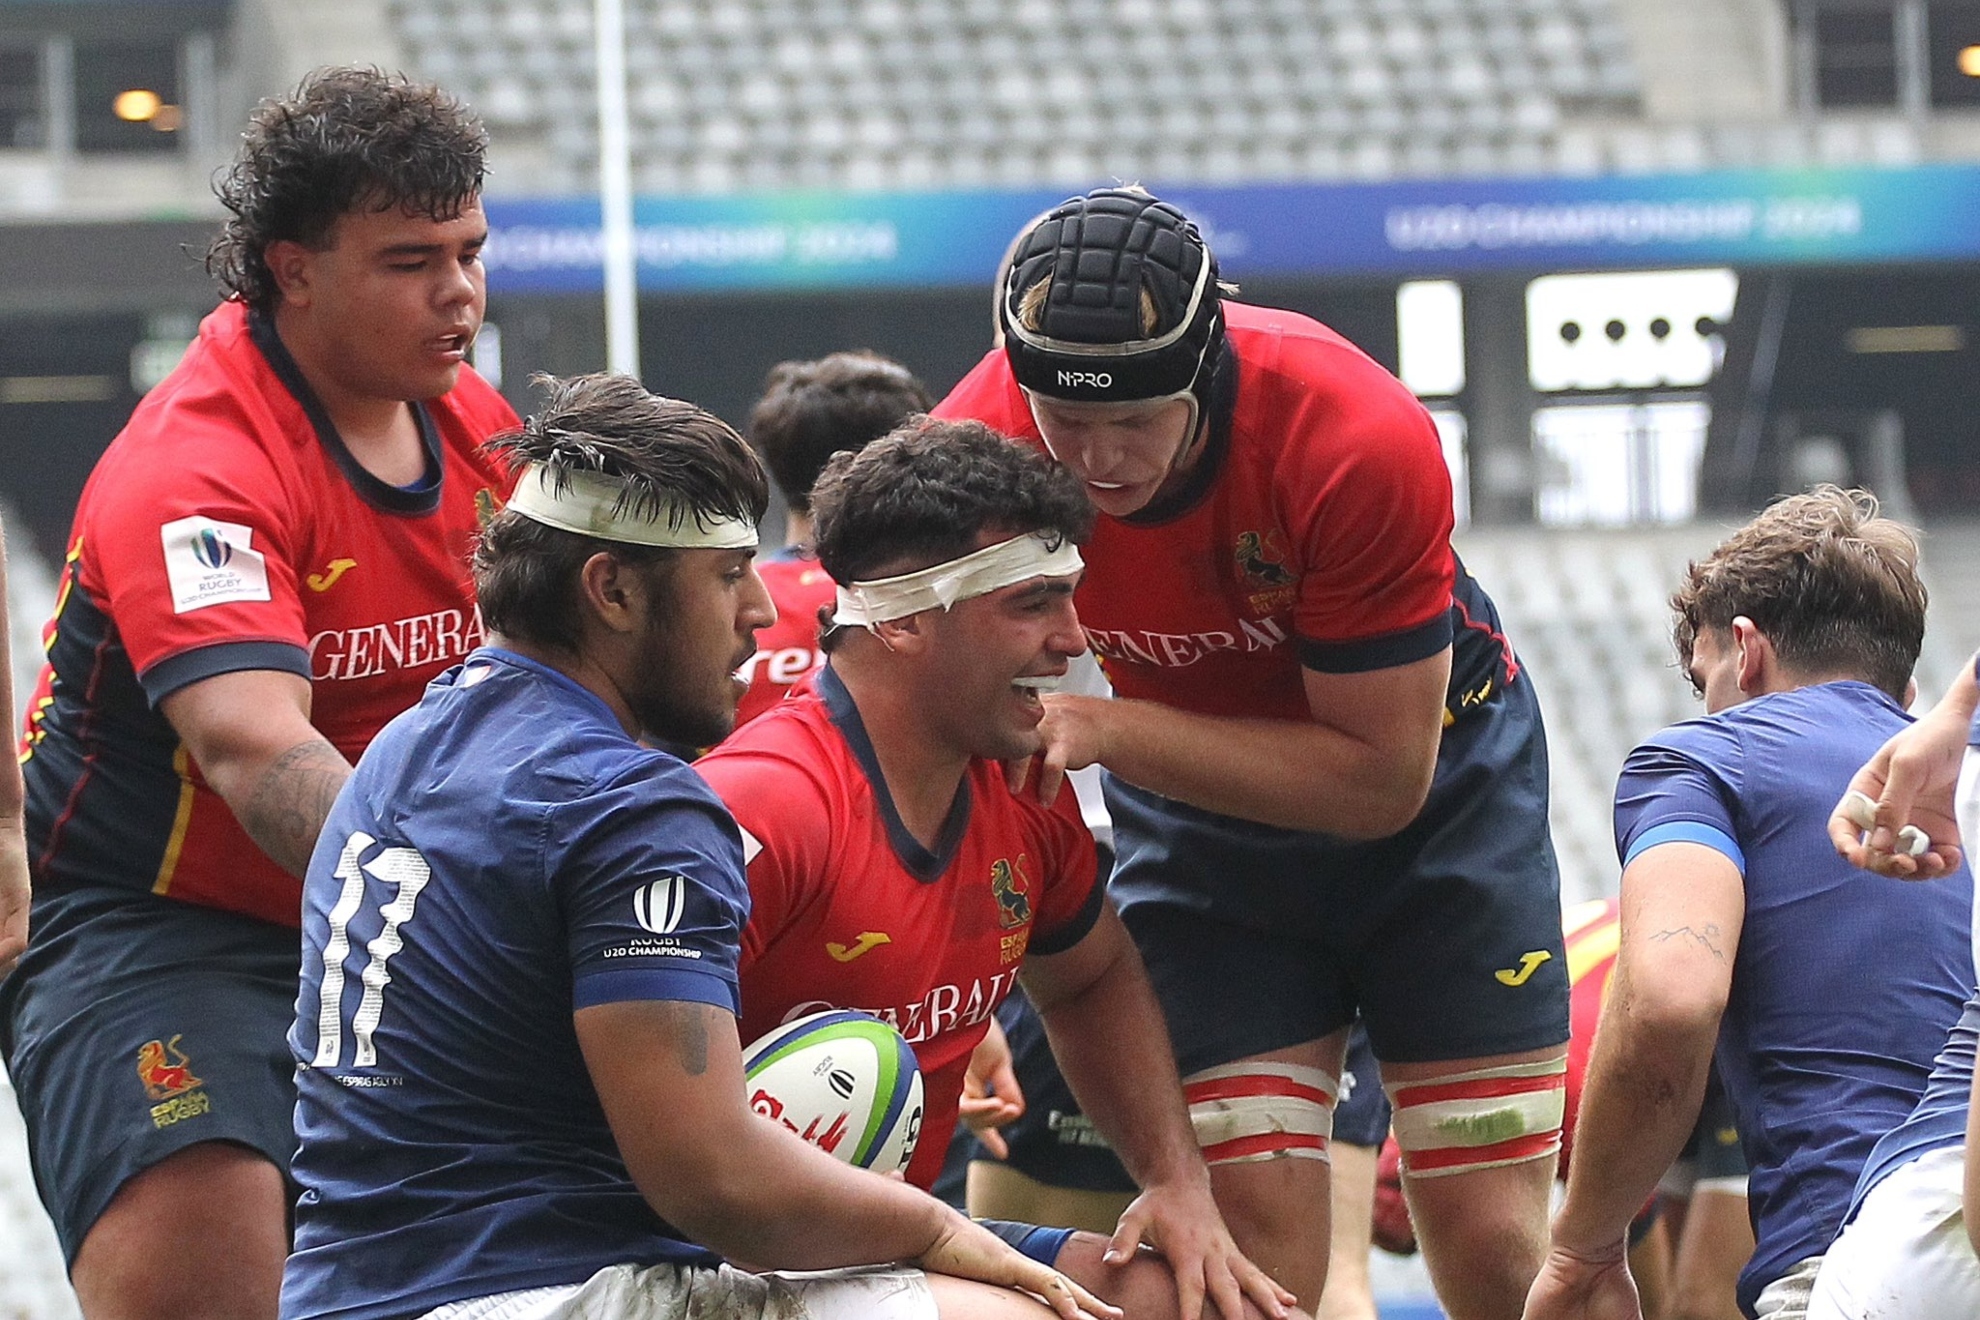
1031 687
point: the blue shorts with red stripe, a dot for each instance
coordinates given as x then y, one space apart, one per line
1445 938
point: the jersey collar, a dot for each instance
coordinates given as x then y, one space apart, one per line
923 864
423 496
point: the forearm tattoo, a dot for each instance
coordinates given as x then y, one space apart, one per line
291 801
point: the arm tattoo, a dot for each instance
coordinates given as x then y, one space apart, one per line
687 1032
290 801
1708 938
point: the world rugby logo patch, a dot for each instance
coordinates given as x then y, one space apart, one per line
210 562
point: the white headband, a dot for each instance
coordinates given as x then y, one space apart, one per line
1004 564
593 504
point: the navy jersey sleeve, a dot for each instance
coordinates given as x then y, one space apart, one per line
651 886
1681 787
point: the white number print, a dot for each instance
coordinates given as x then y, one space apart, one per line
406 872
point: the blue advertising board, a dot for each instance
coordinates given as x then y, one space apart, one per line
1407 228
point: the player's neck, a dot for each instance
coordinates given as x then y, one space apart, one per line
922 775
381 433
578 666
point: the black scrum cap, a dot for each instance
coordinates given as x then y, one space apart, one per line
1101 252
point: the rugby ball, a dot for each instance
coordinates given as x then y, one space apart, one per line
846 1082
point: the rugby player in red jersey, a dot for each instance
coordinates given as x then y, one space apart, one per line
268 564
808 412
1326 770
892 869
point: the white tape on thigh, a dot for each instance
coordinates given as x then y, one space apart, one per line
1480 1119
1261 1111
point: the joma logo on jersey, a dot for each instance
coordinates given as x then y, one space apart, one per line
1177 650
1011 886
379 648
320 582
1098 380
658 906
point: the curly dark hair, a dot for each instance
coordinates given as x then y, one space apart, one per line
1834 586
810 411
926 492
346 139
666 451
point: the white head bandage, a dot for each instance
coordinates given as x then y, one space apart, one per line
594 504
863 604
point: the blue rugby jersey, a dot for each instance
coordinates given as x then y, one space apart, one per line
503 855
1845 984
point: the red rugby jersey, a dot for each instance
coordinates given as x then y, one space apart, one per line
787 650
848 910
1594 932
1323 538
227 528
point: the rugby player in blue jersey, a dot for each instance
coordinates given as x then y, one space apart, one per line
1828 995
1912 1244
520 1088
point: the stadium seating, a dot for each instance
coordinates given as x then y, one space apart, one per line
735 94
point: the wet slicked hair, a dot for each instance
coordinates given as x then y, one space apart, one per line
667 451
926 492
347 139
1834 586
810 411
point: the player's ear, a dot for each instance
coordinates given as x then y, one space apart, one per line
290 265
1754 660
610 591
902 636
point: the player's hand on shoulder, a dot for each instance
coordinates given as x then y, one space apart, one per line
991 1096
1576 1287
1897 819
1181 1221
1073 735
965 1250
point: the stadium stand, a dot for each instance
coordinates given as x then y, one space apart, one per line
747 95
754 94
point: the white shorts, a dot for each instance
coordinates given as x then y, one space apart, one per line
1966 809
670 1292
1786 1298
1906 1252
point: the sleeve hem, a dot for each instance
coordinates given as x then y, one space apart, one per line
628 984
188 667
1076 927
1386 651
1687 831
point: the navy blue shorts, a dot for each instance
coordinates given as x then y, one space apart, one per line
1714 1149
1361 1116
137 1026
1445 938
1053 1142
